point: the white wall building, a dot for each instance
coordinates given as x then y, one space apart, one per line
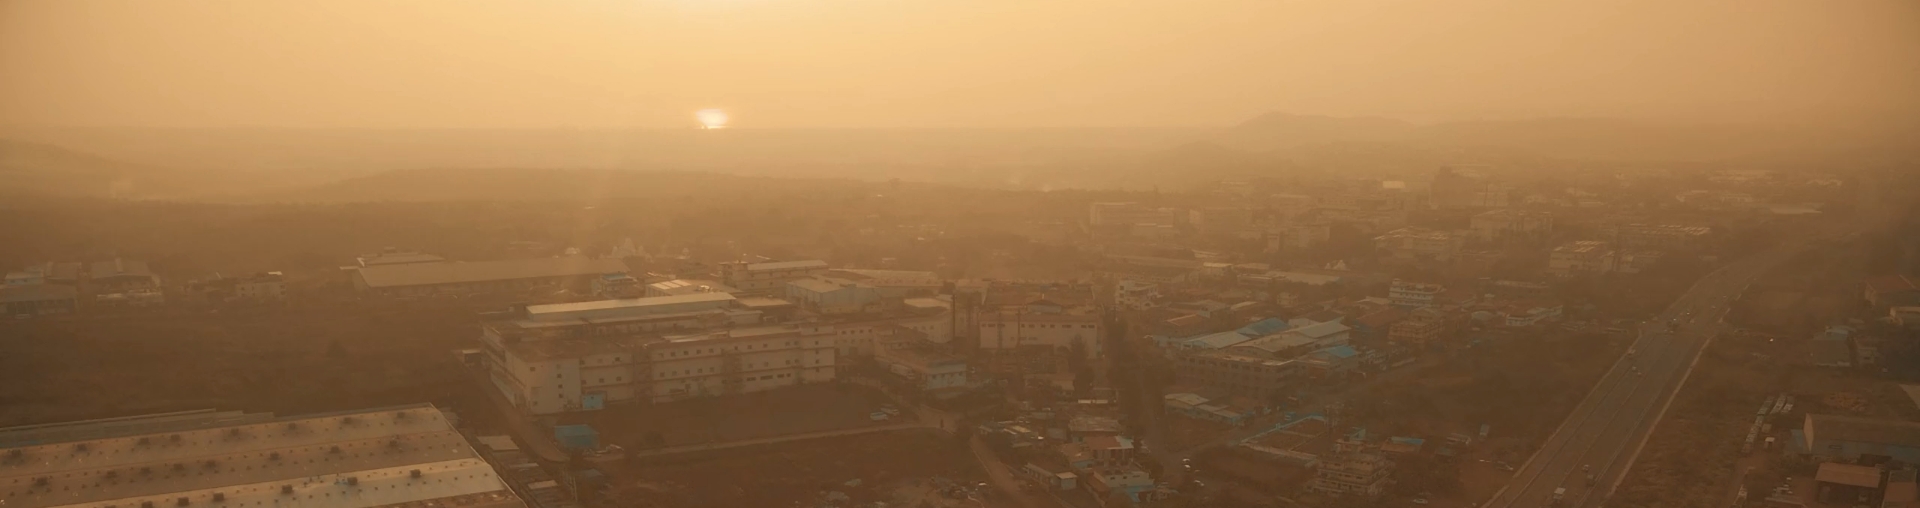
1580 258
1011 329
1136 295
1412 295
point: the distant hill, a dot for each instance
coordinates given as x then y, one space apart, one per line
48 170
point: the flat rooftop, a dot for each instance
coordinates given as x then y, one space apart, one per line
356 459
638 304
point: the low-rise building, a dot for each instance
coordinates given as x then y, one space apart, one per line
1423 326
677 287
259 287
1656 236
1014 329
1360 474
894 283
1585 257
1414 243
827 295
384 457
1297 341
1846 438
1529 314
1124 480
120 275
769 278
1892 291
926 366
1237 374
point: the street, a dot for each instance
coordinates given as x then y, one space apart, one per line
1604 433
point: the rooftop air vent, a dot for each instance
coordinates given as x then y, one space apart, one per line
144 441
182 502
353 480
393 443
210 464
414 473
144 471
219 496
335 449
286 490
146 504
174 438
112 474
82 447
41 481
273 456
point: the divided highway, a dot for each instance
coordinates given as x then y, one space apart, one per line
1604 433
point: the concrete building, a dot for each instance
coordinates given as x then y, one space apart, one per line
1413 295
923 365
1300 340
1423 326
391 256
1237 374
894 283
1413 243
1298 237
1290 207
39 300
259 287
1136 295
1585 257
1014 328
1506 224
827 295
385 457
1221 219
1123 480
481 277
1891 291
768 278
565 375
1530 313
1358 474
678 287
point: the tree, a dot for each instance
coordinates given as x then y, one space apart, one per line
1083 380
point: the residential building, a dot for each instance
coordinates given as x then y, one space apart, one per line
768 278
827 295
1423 326
1656 236
564 375
384 457
1361 474
1413 295
1846 484
677 287
1505 224
1464 186
481 277
1413 243
1221 219
1290 207
1585 257
619 285
1136 295
38 300
925 366
1846 438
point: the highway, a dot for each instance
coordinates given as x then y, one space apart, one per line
1604 433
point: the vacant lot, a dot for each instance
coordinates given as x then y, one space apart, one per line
799 473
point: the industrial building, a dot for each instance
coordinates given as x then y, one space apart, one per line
480 277
38 299
677 287
768 278
923 365
386 457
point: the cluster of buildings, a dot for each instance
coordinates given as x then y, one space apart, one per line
53 288
395 456
1077 447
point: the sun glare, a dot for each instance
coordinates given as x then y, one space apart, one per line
711 118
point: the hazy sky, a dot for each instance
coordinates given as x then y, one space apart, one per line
942 63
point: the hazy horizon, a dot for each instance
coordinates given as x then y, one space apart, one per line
859 64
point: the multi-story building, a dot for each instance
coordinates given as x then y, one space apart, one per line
1423 326
926 366
384 457
1529 314
1236 374
1298 237
768 278
1413 243
827 295
1412 295
1583 257
1656 236
1460 187
1509 224
894 283
38 300
1221 219
1361 474
1290 207
1015 328
563 375
1136 295
1126 480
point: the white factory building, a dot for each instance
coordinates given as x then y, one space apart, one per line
387 457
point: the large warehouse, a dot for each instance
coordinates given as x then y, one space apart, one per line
407 455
